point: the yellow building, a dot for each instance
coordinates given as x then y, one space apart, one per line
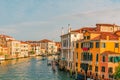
4 39
90 49
3 53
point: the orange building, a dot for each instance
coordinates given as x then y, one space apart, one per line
95 43
90 49
4 53
108 62
58 44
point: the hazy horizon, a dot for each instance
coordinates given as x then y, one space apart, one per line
43 19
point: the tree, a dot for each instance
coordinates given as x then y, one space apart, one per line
32 52
117 72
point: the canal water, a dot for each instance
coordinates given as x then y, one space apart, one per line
33 68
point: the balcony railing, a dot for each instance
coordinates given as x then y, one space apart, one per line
85 49
86 61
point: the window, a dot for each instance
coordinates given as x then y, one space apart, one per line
91 44
76 64
110 70
75 35
96 74
103 58
81 45
73 44
110 76
88 37
96 68
84 37
90 67
116 45
87 56
77 55
103 69
111 59
90 57
102 76
111 29
103 45
97 44
77 45
65 43
90 73
97 57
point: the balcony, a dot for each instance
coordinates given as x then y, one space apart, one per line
63 58
86 61
66 48
85 49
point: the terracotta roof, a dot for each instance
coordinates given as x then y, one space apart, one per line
22 42
45 41
110 53
101 24
103 36
84 28
80 40
34 45
57 43
13 40
6 36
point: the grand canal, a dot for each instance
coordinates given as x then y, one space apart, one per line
33 68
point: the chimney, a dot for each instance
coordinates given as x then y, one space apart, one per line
107 37
119 38
113 27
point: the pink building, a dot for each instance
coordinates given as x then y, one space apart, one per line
108 62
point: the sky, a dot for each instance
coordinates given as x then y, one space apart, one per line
44 19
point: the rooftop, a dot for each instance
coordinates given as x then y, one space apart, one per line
101 24
45 41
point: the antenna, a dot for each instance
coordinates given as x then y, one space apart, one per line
69 28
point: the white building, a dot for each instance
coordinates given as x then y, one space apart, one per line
36 49
24 49
14 48
48 46
67 48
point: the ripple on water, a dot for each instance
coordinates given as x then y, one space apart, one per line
30 69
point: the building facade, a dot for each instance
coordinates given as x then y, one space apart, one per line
67 48
48 46
24 49
90 49
14 48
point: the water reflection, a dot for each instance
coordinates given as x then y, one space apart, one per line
29 69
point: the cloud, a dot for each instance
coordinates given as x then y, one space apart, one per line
40 19
106 16
89 18
28 24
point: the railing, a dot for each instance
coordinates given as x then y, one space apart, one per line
86 61
85 49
